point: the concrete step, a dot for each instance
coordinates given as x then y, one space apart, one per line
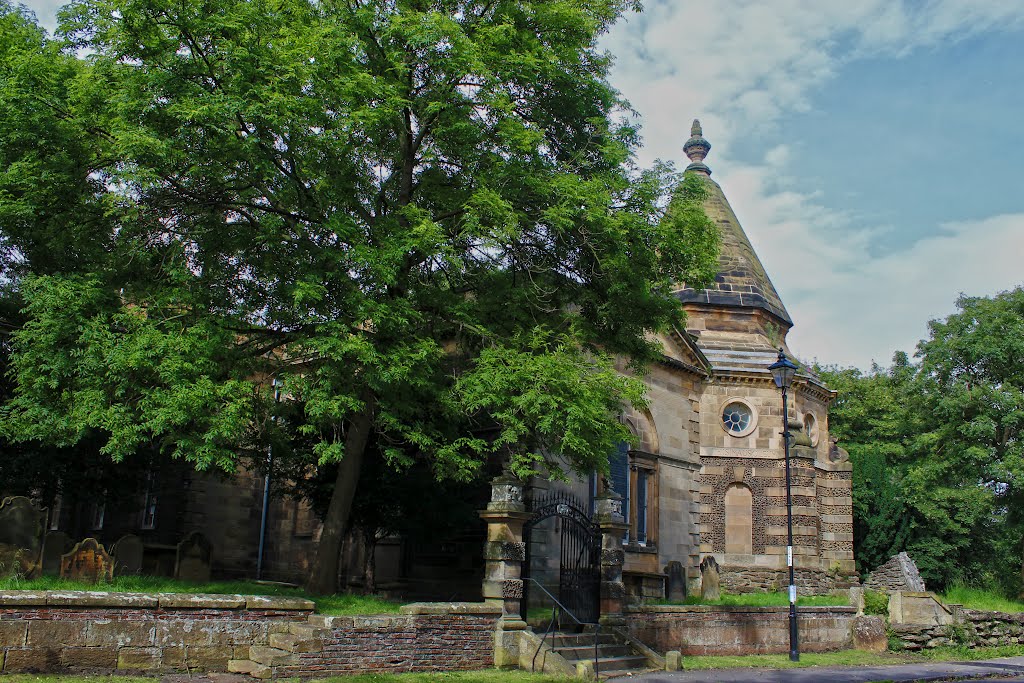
581 639
295 642
271 656
587 651
247 666
632 663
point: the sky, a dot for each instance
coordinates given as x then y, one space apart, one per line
872 149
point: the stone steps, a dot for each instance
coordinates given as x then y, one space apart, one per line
615 657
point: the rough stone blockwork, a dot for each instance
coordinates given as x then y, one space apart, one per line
431 638
103 632
808 581
898 574
974 629
707 630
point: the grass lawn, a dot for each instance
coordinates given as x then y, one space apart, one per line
334 605
780 599
976 598
850 658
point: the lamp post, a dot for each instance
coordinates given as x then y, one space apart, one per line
783 371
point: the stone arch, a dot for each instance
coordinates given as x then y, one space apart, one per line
739 519
641 423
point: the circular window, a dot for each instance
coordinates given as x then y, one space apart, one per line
811 428
738 418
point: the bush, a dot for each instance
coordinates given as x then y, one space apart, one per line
876 603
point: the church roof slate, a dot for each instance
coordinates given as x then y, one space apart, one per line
741 280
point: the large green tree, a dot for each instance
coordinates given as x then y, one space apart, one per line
358 201
937 449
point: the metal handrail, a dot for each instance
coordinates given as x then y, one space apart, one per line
554 617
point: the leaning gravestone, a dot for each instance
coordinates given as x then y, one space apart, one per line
710 582
127 554
193 560
898 574
87 561
21 536
676 581
56 544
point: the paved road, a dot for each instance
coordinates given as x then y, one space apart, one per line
1007 669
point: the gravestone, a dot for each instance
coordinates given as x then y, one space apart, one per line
193 559
22 525
676 588
56 544
127 554
87 561
710 582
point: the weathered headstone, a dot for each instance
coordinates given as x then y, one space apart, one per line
127 554
56 544
21 536
87 561
193 560
676 581
898 574
710 582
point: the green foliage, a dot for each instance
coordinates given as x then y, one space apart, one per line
937 449
399 213
876 602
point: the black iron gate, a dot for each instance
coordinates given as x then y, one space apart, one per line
579 576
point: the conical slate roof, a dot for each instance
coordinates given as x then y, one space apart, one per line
741 280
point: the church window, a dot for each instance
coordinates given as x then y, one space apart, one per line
738 418
634 477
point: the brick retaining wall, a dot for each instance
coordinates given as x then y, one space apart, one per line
89 631
426 637
725 630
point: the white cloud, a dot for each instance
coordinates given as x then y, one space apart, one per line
853 308
741 67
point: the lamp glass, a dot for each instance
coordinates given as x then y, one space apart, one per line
783 371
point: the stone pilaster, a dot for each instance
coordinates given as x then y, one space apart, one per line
504 554
608 515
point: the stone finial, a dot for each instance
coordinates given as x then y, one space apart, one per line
696 148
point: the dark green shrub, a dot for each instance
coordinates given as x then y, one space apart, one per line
876 603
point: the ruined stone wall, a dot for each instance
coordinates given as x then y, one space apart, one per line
973 628
718 630
53 631
899 573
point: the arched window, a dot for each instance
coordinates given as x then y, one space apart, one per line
739 520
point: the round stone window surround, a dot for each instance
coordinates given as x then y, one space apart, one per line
732 421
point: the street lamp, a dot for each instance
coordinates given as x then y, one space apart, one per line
783 371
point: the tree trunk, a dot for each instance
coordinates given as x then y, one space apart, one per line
370 562
323 579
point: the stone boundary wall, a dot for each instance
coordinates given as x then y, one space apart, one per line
742 579
899 573
726 630
973 628
425 637
92 631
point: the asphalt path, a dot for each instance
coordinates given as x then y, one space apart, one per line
1005 669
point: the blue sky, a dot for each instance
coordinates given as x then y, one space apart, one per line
872 149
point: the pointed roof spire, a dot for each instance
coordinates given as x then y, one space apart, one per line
697 148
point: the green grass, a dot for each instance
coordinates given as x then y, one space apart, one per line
980 599
333 605
765 600
850 658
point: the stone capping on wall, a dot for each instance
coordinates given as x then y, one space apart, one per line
738 609
165 601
